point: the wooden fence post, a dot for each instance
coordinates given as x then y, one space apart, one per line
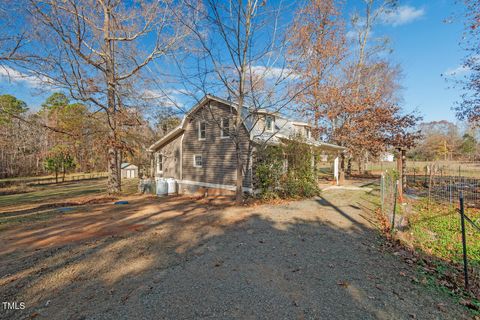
400 171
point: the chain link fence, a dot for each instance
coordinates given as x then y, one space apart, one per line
445 189
388 197
444 201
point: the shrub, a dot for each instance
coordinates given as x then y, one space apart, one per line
286 171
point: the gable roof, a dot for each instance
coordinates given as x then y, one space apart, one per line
284 128
125 165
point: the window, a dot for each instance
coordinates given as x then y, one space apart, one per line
159 163
197 161
308 133
269 123
225 128
202 130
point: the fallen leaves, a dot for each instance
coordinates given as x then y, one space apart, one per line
469 304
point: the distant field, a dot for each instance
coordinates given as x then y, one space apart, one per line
50 178
445 168
63 192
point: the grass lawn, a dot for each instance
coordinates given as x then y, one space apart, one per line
437 232
50 178
63 192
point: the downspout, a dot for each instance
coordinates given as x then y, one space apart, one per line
181 156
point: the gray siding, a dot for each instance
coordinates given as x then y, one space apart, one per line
171 159
219 155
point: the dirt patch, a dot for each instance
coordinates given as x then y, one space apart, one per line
187 258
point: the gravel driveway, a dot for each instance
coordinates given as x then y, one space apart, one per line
185 259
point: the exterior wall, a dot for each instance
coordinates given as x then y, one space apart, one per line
218 154
171 161
129 173
199 190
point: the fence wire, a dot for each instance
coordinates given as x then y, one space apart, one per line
388 197
445 189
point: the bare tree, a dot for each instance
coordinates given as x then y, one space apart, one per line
96 50
240 53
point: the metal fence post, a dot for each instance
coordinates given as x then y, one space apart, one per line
464 240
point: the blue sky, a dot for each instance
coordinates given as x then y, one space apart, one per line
424 45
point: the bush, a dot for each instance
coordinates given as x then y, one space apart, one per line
286 171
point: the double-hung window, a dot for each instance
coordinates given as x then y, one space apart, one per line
202 130
308 133
225 128
269 123
159 163
197 161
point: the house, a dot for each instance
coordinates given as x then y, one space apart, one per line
387 157
129 171
201 155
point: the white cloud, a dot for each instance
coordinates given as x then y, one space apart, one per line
15 76
458 71
402 15
273 73
164 98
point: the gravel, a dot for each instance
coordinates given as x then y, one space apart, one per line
310 259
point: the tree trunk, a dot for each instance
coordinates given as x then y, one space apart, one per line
113 183
56 175
239 186
404 169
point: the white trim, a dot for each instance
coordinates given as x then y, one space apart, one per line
159 163
213 185
222 128
181 156
272 129
199 130
195 163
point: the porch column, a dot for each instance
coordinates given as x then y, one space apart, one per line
341 178
336 169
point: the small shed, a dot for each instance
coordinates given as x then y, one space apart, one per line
129 171
387 157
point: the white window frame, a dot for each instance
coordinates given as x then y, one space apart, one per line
272 127
308 132
222 128
200 130
195 161
159 161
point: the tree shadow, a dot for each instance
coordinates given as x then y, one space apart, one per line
186 258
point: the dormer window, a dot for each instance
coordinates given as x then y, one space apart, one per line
269 123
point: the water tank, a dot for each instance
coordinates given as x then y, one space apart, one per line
172 186
162 187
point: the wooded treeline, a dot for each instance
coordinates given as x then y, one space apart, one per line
64 137
444 140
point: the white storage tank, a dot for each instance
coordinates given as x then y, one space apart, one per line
172 186
161 187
